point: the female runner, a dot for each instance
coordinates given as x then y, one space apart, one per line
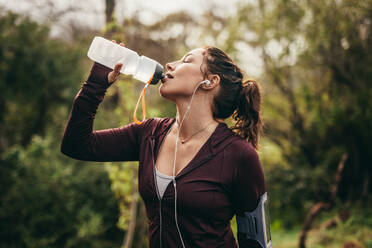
195 173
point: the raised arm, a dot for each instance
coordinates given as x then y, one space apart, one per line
81 142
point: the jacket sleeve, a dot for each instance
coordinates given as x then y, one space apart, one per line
248 186
79 141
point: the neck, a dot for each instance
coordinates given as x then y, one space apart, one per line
198 117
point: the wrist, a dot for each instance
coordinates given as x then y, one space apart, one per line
98 74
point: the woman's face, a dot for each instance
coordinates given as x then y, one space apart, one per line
183 75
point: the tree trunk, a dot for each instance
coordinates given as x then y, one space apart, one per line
110 8
320 206
128 239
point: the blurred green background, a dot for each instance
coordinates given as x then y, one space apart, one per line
312 58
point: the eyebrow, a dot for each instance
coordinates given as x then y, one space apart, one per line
187 55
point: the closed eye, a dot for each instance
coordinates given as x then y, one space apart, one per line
187 59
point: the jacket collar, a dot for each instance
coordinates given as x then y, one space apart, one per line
219 139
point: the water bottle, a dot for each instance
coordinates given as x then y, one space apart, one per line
109 54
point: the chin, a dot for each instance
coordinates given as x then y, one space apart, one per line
166 93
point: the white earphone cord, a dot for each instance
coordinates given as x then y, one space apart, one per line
175 159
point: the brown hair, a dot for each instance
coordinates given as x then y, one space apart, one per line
241 100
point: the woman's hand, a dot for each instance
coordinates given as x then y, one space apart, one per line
112 76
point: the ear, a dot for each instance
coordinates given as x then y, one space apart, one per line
214 82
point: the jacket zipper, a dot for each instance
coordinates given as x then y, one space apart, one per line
156 183
156 188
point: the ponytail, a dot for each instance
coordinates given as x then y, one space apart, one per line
247 114
241 100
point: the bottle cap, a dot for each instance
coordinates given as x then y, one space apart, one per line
158 75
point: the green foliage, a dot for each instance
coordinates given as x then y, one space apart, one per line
37 75
124 185
47 201
355 231
318 99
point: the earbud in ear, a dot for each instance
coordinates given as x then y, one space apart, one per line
206 82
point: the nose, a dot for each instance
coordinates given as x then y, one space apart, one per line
170 66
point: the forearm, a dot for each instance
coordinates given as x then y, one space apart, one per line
78 139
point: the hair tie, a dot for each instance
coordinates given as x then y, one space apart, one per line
247 83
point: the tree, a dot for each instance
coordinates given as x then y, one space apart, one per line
36 75
316 57
46 199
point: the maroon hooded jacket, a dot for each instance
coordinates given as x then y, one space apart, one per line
223 179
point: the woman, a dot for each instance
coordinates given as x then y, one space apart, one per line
195 173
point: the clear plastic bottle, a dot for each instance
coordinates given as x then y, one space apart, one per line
109 54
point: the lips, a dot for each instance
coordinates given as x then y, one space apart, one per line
167 76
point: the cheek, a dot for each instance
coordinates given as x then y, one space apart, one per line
190 74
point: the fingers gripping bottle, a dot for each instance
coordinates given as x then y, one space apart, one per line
109 54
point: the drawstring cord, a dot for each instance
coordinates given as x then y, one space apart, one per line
142 96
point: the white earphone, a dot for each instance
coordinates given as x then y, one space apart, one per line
207 82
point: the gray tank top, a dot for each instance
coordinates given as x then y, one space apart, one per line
162 181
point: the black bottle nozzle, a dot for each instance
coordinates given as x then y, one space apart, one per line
158 74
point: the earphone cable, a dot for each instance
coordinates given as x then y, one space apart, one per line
175 159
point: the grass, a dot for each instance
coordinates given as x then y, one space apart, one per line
323 238
356 232
285 238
